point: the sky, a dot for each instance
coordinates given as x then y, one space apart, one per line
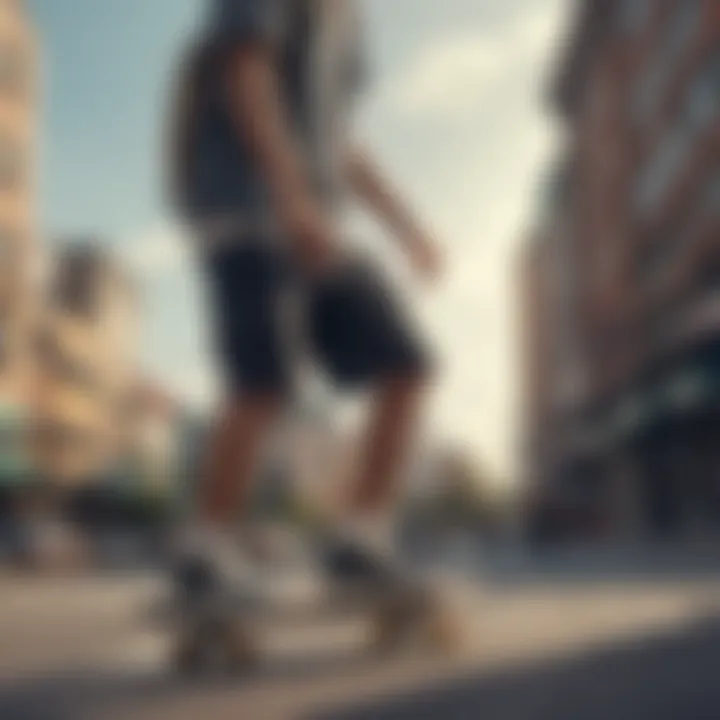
455 111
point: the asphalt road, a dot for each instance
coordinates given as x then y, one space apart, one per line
648 648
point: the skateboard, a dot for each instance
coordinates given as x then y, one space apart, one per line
229 639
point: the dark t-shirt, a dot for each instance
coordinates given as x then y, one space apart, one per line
317 43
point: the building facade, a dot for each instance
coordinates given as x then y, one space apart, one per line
18 230
556 387
638 89
151 452
85 352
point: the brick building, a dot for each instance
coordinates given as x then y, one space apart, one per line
18 248
638 90
85 352
552 348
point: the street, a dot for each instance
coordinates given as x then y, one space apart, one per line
569 647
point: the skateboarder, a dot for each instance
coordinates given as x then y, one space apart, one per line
263 162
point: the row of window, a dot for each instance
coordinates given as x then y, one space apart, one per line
89 284
71 369
9 248
4 349
13 81
13 434
59 435
666 253
699 115
684 313
633 15
654 82
13 70
12 164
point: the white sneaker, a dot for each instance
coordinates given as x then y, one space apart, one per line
211 570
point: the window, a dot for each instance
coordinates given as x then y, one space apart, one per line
657 177
4 352
662 261
9 256
75 371
11 436
648 91
700 114
11 164
709 281
710 202
704 97
12 69
633 15
8 249
682 28
77 283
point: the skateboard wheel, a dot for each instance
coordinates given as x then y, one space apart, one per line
214 647
442 631
427 623
188 657
242 652
389 630
396 623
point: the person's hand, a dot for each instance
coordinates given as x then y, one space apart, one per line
311 234
426 258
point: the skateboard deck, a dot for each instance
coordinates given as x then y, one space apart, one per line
230 638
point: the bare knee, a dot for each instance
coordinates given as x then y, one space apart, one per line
254 406
406 389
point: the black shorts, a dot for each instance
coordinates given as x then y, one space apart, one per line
349 322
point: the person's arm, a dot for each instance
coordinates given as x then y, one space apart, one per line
260 117
257 105
371 186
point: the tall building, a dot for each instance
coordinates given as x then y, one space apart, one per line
67 341
638 90
555 384
86 358
18 231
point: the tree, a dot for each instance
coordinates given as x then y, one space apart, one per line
463 496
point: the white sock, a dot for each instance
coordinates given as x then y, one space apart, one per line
205 540
375 532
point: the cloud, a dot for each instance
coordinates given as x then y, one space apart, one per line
480 199
483 207
196 386
159 249
450 76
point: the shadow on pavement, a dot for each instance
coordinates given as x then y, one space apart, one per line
671 676
662 677
87 694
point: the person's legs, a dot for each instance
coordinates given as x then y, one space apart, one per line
246 285
235 449
364 338
389 435
364 549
